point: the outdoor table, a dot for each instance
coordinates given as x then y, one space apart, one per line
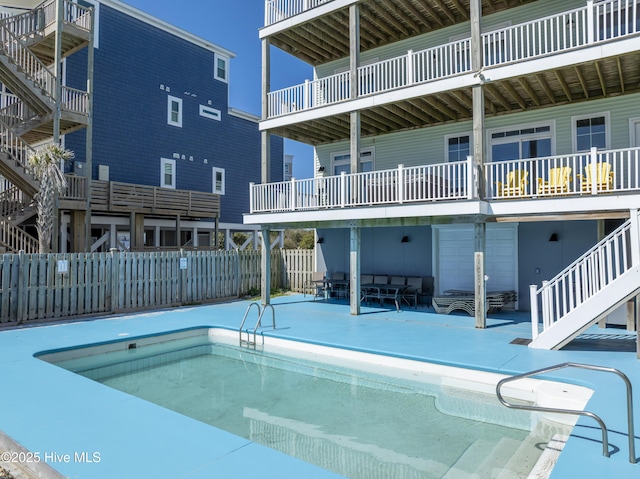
382 292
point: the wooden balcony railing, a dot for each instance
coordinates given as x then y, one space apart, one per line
112 196
591 24
591 173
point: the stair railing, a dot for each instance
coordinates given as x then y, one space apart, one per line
16 114
13 201
29 64
16 239
583 278
603 427
16 147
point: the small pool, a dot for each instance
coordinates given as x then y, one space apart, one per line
361 415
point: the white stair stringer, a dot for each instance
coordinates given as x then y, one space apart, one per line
616 293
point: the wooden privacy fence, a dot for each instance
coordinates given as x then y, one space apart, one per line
48 286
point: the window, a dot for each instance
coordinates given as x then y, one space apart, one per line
167 173
174 111
218 180
209 112
342 161
221 67
457 147
590 131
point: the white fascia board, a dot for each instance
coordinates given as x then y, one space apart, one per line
560 60
305 17
559 206
167 27
244 115
451 83
459 208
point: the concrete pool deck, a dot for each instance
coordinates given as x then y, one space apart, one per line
66 418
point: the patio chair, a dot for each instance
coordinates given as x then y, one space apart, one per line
557 182
316 285
516 184
598 173
413 291
338 285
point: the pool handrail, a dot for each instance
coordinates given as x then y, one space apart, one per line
258 323
605 441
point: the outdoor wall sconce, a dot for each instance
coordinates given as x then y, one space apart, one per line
320 240
405 239
553 237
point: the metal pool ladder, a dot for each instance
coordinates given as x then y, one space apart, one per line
605 440
261 311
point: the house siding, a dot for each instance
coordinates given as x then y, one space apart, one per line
427 145
136 68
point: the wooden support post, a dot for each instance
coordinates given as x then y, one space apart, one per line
266 86
354 63
354 269
77 231
178 233
480 238
89 132
265 284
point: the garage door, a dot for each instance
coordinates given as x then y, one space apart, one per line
453 255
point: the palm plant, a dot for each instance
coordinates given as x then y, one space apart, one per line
45 163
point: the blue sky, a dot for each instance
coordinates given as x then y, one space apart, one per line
234 25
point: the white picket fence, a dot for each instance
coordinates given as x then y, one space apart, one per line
55 286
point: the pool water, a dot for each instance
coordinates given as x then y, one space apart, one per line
360 425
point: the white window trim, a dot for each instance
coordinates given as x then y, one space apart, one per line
215 170
209 112
163 162
491 141
170 100
607 129
217 57
343 162
632 131
457 135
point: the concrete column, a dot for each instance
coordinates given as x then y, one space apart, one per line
354 269
480 239
265 285
156 236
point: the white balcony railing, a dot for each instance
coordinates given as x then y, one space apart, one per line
589 173
277 10
594 23
583 174
444 181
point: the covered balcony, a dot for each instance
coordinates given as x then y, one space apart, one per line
498 189
536 64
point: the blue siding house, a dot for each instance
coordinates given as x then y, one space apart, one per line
170 160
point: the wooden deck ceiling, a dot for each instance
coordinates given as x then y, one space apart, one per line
382 22
606 78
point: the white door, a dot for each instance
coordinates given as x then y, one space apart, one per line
454 251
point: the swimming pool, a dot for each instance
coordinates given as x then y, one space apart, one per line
359 414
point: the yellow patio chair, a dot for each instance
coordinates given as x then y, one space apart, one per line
558 182
516 184
598 173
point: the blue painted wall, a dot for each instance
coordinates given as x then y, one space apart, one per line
134 66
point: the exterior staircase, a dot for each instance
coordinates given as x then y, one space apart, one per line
589 289
40 108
